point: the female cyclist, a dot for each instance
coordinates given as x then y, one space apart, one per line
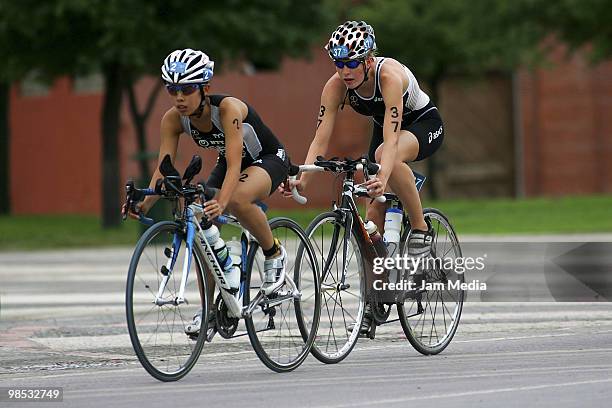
251 162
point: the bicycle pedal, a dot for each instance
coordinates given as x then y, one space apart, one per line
271 325
372 332
210 334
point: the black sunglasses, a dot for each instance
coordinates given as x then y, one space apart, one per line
352 64
186 89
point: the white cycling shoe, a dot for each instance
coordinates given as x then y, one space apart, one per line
274 273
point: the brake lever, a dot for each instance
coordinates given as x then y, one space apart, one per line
370 167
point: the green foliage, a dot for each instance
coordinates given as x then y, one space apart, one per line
581 22
442 37
76 36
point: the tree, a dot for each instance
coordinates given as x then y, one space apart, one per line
443 37
4 148
125 39
581 22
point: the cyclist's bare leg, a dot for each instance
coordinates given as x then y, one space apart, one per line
254 186
401 180
375 212
210 288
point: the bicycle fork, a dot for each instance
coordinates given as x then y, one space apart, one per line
168 269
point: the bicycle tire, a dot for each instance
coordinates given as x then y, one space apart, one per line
422 341
148 280
323 349
305 309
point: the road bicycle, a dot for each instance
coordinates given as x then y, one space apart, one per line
166 285
346 257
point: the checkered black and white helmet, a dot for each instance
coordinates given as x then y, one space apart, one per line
187 67
351 40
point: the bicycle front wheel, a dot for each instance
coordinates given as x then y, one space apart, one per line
430 317
283 325
343 287
157 323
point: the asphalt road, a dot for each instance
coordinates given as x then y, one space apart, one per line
62 324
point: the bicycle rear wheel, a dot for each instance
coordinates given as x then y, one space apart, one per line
282 328
430 318
343 305
157 332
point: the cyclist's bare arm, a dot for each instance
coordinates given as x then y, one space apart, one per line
331 99
391 87
170 131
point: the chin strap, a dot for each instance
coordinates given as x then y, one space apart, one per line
365 75
365 78
198 112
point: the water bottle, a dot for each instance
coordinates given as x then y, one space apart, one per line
211 232
235 251
377 240
393 228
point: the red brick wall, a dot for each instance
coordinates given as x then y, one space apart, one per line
567 127
55 152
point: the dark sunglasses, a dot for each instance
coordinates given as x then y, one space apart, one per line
352 64
187 89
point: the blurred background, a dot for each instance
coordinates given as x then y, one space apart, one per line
523 88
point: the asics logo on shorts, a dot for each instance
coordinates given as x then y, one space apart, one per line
434 135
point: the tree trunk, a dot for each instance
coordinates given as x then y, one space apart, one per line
140 121
5 148
111 111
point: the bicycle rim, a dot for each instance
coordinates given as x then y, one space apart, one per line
282 334
430 319
342 309
157 332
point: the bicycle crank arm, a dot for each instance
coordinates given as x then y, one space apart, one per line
247 311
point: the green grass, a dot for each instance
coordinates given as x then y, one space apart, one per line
500 216
62 231
538 215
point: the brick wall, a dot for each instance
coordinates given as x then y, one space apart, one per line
566 127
